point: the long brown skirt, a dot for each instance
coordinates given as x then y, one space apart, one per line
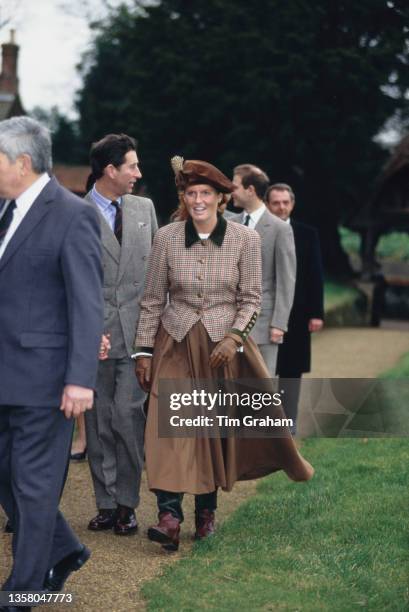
200 465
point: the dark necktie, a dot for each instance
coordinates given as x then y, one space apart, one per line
6 220
118 221
247 220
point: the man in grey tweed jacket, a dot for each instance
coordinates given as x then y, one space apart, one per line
115 428
278 259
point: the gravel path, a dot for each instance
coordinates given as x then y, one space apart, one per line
112 578
357 352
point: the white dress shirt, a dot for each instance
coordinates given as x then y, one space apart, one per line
23 205
255 216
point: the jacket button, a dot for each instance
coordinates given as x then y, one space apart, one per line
200 277
198 311
200 295
203 242
201 261
144 257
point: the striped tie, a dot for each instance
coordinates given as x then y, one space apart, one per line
6 220
247 220
118 221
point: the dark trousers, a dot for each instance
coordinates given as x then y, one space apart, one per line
34 448
291 385
172 502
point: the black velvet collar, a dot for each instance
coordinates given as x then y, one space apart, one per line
217 235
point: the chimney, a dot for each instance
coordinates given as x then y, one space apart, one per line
8 77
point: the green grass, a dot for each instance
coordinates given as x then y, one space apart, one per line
336 543
350 241
393 246
400 370
336 294
395 396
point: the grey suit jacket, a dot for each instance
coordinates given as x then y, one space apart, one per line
124 270
279 270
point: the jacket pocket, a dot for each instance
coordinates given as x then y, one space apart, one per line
43 340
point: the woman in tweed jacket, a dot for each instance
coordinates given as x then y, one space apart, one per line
202 297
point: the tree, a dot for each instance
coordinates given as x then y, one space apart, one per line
299 88
67 145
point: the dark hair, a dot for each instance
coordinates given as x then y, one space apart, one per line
252 175
110 150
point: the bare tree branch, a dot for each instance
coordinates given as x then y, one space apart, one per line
9 13
91 10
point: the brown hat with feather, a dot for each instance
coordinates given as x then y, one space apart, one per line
194 171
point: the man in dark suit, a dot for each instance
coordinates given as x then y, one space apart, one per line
51 319
307 314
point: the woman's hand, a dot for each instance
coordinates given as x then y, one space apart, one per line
104 347
143 366
223 352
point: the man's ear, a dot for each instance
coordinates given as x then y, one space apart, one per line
25 164
110 171
251 190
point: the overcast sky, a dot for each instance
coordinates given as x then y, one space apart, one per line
51 42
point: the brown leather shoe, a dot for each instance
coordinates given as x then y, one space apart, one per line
125 521
205 527
166 532
104 520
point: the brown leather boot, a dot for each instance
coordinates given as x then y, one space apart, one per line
166 532
204 521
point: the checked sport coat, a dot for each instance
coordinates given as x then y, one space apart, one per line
216 281
124 270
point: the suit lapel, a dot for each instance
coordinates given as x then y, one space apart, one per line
109 241
264 223
40 207
236 217
130 220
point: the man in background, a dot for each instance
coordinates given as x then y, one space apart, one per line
307 314
278 259
115 428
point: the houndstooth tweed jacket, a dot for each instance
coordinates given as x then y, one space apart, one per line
217 281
